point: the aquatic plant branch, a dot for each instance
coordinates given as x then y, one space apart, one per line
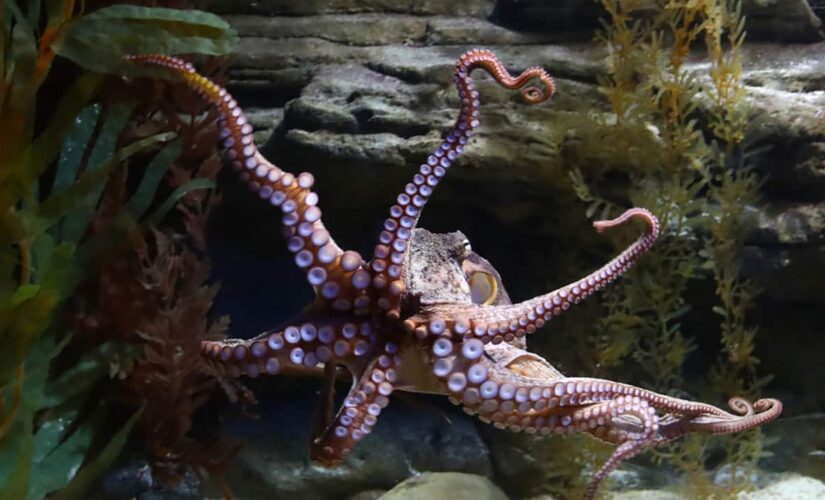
695 175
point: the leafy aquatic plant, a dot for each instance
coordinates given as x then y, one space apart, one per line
671 137
56 161
694 177
159 297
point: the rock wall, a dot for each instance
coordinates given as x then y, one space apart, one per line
359 91
768 20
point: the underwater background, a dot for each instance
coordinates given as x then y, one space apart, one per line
126 243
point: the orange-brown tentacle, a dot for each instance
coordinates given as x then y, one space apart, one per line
368 396
390 253
332 271
300 345
630 417
507 322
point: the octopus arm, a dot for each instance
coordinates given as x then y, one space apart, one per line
502 390
296 348
389 255
500 323
330 270
358 415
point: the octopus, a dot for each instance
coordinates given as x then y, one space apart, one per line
427 314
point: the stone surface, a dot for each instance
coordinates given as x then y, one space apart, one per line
530 466
136 479
787 273
788 224
646 495
274 461
782 20
445 486
381 29
788 487
781 487
799 445
367 495
786 97
785 241
774 20
479 8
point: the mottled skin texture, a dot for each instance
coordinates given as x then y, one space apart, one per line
426 314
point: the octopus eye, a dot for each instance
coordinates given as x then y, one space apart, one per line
483 288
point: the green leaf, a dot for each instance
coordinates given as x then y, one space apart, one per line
18 176
74 145
11 227
16 13
179 193
82 375
61 275
99 40
115 120
32 310
57 468
41 248
5 31
155 171
17 447
24 292
47 145
79 485
17 117
77 196
15 459
21 325
52 432
74 225
34 12
56 12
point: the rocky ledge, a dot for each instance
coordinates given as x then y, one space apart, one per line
359 91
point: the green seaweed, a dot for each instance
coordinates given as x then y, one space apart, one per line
63 393
58 229
674 135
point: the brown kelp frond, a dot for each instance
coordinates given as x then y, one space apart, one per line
169 379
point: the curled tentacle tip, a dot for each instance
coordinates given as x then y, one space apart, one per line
741 406
768 404
535 94
646 215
